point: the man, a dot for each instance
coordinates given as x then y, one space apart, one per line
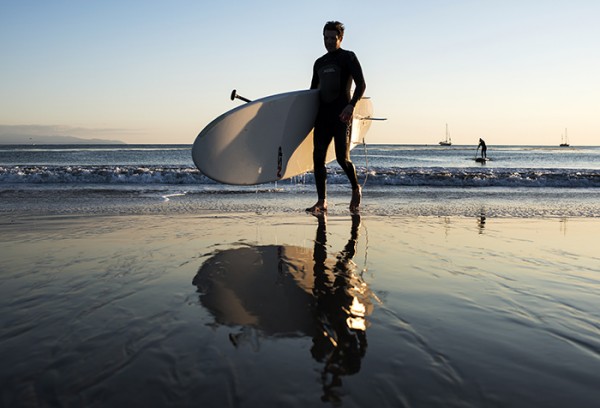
483 149
333 74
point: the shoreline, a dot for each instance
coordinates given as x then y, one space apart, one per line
489 202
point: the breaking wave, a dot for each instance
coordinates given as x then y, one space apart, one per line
384 176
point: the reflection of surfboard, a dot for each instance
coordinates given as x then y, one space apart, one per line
272 288
268 139
267 287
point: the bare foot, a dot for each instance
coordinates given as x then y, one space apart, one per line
318 208
355 201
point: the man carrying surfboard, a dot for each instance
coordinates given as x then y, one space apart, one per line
333 74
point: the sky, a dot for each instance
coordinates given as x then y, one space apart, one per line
146 71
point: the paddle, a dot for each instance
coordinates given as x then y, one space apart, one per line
235 95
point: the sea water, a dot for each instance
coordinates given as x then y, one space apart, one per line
395 178
491 299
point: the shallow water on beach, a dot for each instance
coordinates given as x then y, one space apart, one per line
418 201
239 309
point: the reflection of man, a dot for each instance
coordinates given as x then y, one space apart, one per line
270 291
341 305
481 221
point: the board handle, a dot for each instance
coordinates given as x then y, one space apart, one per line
235 95
371 118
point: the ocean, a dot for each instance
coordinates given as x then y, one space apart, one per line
397 179
127 278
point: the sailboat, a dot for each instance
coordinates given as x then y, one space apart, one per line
564 140
448 141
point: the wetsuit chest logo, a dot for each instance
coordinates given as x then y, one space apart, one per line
330 83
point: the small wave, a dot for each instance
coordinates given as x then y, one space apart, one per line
101 175
384 176
460 177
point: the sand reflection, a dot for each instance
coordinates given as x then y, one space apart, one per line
284 291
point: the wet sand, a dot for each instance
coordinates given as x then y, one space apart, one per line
241 309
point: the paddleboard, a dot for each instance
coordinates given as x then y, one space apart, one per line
481 160
268 139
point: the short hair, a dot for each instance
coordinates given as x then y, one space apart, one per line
334 26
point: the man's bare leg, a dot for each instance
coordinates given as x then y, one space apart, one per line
355 201
319 207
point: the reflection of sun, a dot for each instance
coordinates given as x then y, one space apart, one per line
356 320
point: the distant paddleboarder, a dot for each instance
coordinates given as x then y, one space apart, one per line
333 74
483 149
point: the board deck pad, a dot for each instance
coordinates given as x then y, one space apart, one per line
268 139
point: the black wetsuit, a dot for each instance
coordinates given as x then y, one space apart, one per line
332 75
483 148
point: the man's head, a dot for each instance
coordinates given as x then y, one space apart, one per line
333 33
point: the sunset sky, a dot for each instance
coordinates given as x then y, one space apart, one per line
145 71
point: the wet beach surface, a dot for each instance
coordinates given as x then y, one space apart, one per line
241 309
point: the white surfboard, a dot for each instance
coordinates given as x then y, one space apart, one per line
268 139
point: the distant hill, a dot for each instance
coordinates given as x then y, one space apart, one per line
35 139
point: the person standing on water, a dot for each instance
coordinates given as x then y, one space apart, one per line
483 149
333 74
